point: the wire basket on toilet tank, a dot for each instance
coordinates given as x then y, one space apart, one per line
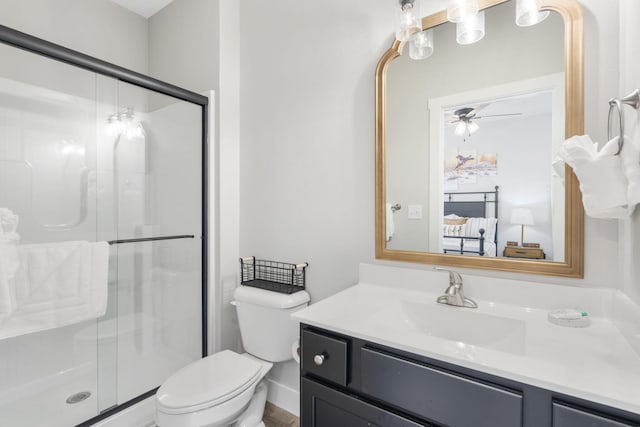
274 276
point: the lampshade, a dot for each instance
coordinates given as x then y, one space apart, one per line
460 128
471 29
409 20
527 13
421 44
522 216
459 10
472 127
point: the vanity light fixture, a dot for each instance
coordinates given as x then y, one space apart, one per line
459 10
410 20
421 45
470 30
528 14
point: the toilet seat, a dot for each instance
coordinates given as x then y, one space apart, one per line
208 382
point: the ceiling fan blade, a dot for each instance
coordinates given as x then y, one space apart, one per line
477 109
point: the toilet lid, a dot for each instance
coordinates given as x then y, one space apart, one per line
208 382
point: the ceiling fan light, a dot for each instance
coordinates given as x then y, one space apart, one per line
461 127
528 14
470 30
459 10
409 19
421 45
472 127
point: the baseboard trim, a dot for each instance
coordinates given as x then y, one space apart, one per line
284 397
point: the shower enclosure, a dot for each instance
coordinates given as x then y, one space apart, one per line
91 152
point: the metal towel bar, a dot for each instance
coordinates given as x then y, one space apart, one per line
150 239
633 100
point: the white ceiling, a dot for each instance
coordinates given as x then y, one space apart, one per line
144 8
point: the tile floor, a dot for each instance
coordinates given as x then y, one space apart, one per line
278 417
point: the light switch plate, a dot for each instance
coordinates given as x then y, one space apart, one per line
414 211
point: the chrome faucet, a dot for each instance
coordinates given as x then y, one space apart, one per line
454 295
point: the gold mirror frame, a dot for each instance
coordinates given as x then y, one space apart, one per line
573 265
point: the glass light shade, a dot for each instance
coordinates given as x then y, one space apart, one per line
527 13
421 45
409 20
460 128
459 10
473 127
471 29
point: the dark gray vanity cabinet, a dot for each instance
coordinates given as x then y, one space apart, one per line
350 382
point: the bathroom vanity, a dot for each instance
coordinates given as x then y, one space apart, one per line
379 355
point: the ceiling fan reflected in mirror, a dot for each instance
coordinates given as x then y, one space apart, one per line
464 118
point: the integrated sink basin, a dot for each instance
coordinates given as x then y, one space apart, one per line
460 325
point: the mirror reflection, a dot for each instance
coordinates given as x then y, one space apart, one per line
471 136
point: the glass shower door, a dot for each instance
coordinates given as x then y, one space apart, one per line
48 181
86 158
157 208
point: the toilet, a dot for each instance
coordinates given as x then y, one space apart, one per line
227 388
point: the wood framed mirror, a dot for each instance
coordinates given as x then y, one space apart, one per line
466 173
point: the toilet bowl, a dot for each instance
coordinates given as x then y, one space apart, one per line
227 388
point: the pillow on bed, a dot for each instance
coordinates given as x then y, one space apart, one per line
457 230
454 219
460 221
474 225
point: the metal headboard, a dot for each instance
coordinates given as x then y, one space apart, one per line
473 208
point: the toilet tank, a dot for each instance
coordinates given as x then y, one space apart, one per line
267 329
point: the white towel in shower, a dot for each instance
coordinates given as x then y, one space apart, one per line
389 223
603 182
56 284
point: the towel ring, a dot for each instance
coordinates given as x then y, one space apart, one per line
634 101
396 207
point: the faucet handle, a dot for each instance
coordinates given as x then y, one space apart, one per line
454 276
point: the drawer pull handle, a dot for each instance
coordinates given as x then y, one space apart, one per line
318 359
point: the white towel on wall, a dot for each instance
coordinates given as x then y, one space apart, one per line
56 284
389 223
603 182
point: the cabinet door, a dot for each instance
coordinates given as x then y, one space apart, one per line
565 416
324 407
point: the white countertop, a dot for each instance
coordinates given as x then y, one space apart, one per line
596 363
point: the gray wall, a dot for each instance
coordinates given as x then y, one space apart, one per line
307 143
630 80
183 44
98 28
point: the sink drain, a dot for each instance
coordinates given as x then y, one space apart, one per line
78 397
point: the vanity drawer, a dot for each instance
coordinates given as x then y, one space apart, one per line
325 407
437 395
324 356
566 416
